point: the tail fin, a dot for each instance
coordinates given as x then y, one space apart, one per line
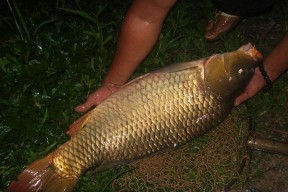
41 176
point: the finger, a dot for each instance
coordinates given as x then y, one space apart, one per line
85 106
81 108
249 92
243 97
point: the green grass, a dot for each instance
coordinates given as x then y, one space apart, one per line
53 53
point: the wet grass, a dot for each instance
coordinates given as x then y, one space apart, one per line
53 53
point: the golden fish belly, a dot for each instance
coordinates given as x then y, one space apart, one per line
158 111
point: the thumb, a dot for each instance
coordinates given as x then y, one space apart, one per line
240 99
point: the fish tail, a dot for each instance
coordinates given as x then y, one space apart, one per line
41 175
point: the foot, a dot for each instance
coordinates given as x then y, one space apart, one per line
223 23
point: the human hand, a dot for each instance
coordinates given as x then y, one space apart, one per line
97 97
275 63
254 86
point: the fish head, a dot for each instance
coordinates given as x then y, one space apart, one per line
227 74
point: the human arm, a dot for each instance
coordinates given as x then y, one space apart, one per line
139 33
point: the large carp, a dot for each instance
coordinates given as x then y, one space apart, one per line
159 110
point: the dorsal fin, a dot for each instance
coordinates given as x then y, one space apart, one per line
172 68
181 66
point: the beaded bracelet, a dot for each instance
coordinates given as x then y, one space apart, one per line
266 77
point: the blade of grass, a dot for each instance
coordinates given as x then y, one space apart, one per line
15 20
48 148
80 13
115 177
23 23
42 24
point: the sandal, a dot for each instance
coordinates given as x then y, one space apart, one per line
223 23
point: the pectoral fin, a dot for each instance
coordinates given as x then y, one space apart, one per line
78 124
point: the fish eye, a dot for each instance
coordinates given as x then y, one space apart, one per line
242 73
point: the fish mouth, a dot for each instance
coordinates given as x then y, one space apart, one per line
252 51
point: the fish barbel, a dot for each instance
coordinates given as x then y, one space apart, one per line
160 110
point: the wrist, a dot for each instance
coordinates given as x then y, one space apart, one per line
268 83
111 86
